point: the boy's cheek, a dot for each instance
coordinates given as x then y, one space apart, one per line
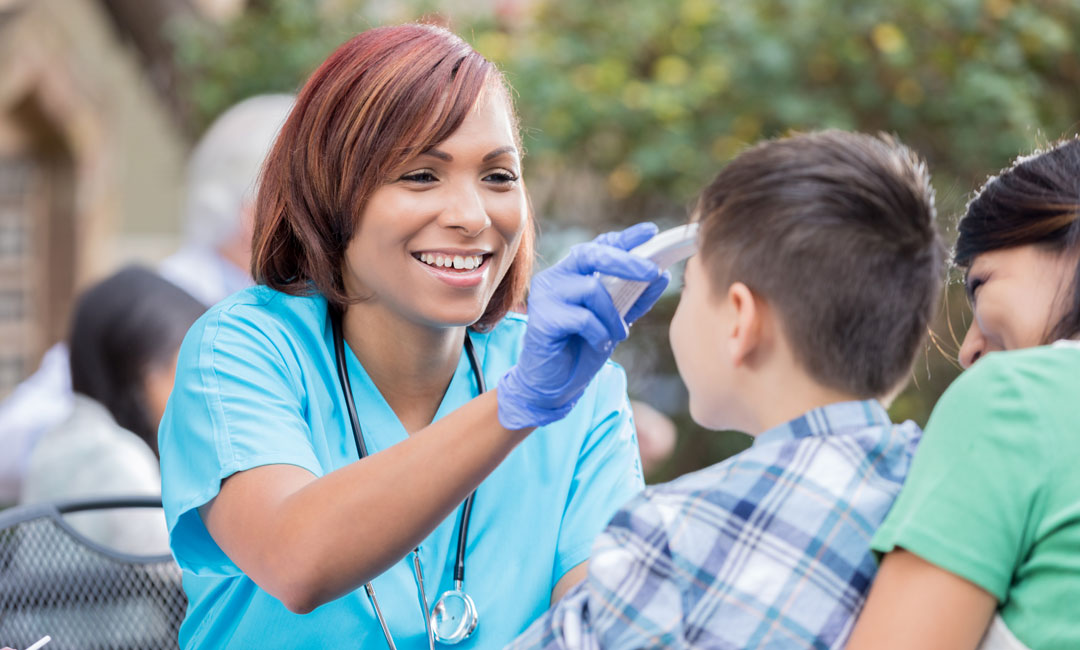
679 338
691 359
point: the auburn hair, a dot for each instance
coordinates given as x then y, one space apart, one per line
382 98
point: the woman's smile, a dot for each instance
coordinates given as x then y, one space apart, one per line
461 269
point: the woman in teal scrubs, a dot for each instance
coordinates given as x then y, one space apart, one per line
393 197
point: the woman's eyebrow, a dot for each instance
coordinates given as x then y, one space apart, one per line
498 152
437 153
442 155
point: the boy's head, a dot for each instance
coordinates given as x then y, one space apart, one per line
819 250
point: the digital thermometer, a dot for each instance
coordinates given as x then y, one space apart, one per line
664 249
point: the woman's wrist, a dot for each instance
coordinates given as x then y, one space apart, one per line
520 407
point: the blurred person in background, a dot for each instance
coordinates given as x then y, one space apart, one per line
123 343
212 263
656 435
215 259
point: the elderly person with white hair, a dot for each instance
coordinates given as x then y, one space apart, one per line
211 264
222 176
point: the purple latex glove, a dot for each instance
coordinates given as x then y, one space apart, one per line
574 326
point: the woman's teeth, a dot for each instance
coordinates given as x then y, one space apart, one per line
460 262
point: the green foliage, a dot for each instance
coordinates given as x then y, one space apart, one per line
271 47
658 94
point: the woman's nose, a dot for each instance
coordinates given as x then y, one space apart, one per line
973 347
466 212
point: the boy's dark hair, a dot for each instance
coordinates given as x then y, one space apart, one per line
1036 201
124 326
836 230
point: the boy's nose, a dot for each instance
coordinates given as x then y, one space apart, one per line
973 347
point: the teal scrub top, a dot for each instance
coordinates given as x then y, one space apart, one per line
256 384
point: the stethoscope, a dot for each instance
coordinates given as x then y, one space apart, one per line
454 617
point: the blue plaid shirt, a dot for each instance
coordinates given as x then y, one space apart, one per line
768 549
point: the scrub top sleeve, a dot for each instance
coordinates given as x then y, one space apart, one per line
236 404
973 491
607 475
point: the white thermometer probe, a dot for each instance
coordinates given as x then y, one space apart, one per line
664 249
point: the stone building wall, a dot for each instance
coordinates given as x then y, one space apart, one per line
91 168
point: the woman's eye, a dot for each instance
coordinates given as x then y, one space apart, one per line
423 176
973 286
501 177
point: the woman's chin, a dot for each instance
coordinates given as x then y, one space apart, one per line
454 317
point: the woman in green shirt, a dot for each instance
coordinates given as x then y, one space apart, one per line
982 547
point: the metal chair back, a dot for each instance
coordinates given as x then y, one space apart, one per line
54 581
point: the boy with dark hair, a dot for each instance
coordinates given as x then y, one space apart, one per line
818 272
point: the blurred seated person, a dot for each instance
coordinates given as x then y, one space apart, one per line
211 264
223 170
124 339
655 434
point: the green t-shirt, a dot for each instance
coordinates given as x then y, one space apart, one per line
993 494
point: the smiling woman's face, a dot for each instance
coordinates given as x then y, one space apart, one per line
1017 295
434 242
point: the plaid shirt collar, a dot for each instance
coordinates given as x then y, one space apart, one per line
839 417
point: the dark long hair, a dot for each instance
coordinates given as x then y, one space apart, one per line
1035 201
124 326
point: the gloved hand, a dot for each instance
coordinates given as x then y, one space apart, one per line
574 326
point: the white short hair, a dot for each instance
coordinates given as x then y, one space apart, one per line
224 167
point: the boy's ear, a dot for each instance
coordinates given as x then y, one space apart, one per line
746 328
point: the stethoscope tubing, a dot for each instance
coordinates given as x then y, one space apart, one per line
361 450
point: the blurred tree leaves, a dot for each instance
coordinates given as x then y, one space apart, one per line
658 94
270 47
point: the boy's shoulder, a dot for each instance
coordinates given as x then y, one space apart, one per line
817 461
788 519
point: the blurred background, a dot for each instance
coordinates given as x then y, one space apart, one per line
628 108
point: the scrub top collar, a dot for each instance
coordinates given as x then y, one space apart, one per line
380 424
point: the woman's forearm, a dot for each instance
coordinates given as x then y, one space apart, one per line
916 604
309 540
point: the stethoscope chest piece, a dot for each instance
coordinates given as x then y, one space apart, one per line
454 617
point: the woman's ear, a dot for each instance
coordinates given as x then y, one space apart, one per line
746 326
